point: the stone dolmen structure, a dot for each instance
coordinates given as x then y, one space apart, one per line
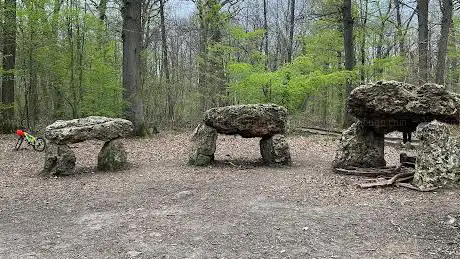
60 159
395 106
265 121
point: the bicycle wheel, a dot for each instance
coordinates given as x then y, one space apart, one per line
39 144
18 143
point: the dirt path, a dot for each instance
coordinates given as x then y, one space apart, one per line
162 208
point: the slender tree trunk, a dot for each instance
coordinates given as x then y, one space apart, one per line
422 7
58 98
291 32
399 27
71 39
363 40
446 22
32 93
132 45
80 57
266 36
454 60
381 36
7 123
349 52
164 47
203 53
102 8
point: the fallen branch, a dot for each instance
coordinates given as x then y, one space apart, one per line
404 176
369 172
415 188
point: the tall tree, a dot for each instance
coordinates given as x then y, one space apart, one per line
132 45
399 27
446 22
364 14
422 11
266 34
291 31
9 63
164 48
211 74
349 51
102 8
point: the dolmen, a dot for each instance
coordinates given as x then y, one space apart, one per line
388 106
265 121
60 159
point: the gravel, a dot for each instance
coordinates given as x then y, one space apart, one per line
238 208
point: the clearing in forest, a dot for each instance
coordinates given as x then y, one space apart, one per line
237 208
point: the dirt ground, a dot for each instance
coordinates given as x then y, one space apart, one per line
237 208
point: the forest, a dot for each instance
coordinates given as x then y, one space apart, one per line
161 63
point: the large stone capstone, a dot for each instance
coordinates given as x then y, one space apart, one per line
396 106
93 127
438 157
248 121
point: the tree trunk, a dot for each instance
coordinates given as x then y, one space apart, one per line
291 32
132 45
266 35
203 51
7 123
363 40
446 9
164 47
102 8
422 7
454 60
399 27
32 93
349 52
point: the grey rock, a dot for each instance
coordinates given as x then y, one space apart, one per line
112 156
438 157
59 160
360 146
249 121
94 127
203 146
51 153
275 150
390 105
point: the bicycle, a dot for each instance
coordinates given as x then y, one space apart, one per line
38 143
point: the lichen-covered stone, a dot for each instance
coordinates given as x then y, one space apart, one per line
360 146
203 146
275 150
112 156
438 157
248 121
389 105
59 160
94 127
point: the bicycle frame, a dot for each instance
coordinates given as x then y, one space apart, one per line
30 139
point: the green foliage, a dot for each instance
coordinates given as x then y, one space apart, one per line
394 68
318 70
73 58
287 86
